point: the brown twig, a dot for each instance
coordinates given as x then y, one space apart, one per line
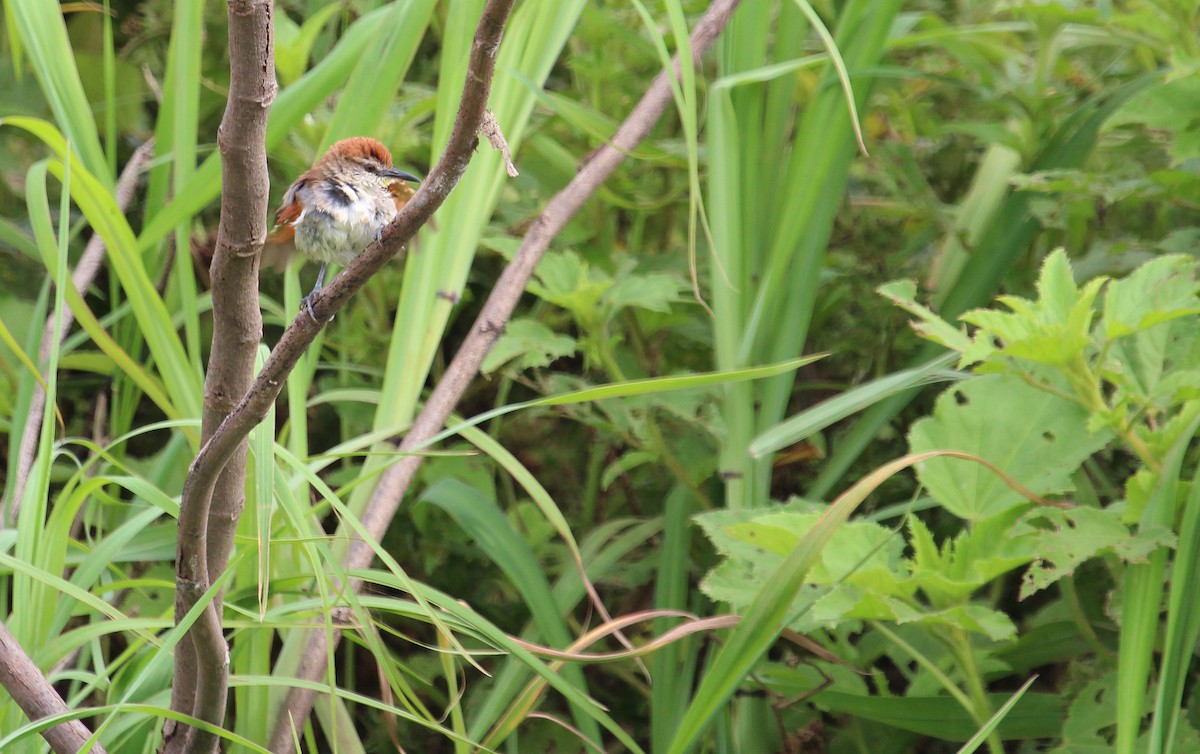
206 523
487 328
85 272
38 699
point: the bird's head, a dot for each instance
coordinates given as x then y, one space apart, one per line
364 158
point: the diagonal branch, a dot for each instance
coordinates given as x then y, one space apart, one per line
487 328
22 679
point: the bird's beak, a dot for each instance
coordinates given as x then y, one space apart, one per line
399 175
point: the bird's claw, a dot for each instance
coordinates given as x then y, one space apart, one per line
306 305
307 301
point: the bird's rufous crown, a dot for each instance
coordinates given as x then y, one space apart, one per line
360 147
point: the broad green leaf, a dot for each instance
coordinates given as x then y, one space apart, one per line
530 343
1034 716
903 293
293 42
1170 106
976 556
1160 290
1036 437
1079 534
568 281
653 291
860 575
1091 714
1056 287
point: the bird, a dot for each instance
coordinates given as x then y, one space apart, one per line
335 209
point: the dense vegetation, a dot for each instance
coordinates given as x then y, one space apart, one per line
969 524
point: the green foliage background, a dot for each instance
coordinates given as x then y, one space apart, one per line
1042 153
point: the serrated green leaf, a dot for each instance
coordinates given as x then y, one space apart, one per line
1056 286
859 576
1079 534
654 291
1173 106
903 293
988 549
1036 437
1158 291
530 343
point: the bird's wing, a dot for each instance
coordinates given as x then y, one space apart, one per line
281 241
279 249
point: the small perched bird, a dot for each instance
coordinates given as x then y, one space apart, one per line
339 206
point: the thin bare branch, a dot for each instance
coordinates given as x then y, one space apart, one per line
37 698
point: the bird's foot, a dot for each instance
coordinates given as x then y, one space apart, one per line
306 305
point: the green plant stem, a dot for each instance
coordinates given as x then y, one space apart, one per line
597 451
607 358
928 665
1087 388
960 647
1071 596
453 696
669 459
1139 447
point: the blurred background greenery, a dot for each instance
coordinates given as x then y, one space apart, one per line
746 231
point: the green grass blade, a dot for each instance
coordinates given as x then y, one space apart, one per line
179 117
533 40
106 218
43 34
1183 628
372 86
673 667
629 389
980 737
1144 586
493 533
851 402
765 617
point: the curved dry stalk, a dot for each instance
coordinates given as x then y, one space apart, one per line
695 624
522 706
488 326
